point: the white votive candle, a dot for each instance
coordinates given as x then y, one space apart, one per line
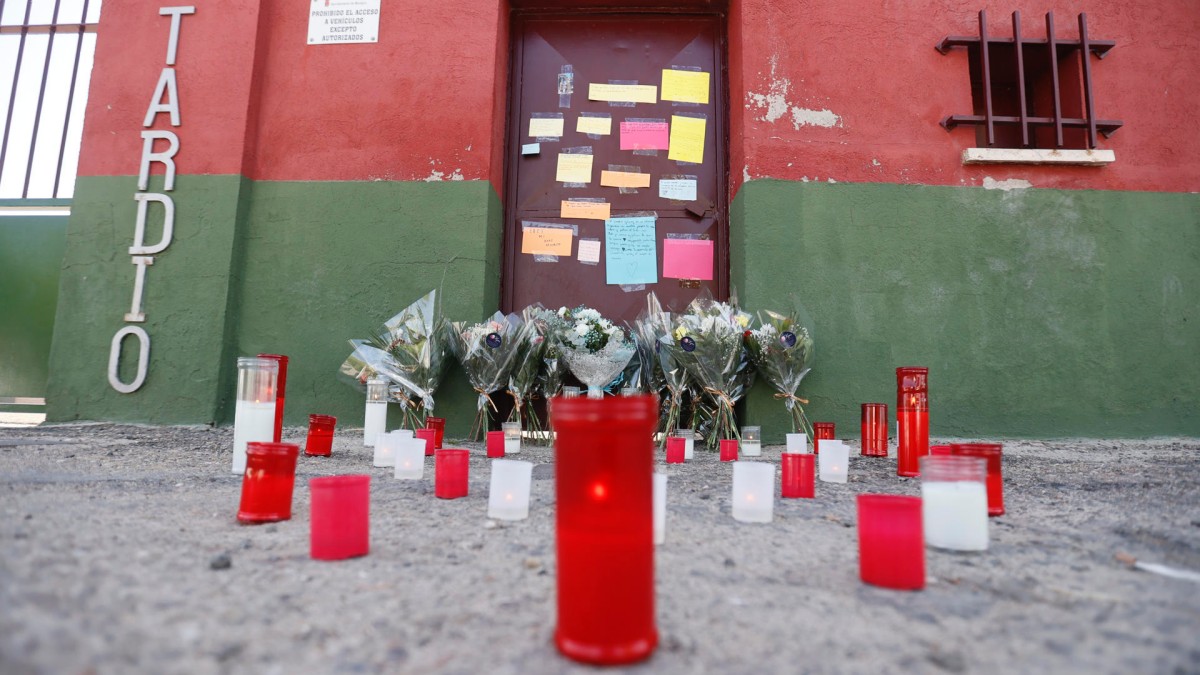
954 502
508 494
386 445
252 423
751 443
512 437
660 508
410 458
689 443
797 443
753 492
833 462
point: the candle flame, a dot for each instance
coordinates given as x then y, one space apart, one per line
749 496
508 497
599 490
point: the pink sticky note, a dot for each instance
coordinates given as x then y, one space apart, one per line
688 259
645 136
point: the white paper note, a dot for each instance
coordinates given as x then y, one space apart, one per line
682 189
589 251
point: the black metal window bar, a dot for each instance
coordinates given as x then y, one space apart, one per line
1055 49
46 131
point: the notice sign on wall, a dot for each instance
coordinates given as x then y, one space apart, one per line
343 21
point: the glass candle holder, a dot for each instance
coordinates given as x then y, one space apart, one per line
751 445
340 516
729 450
955 502
675 450
833 464
940 450
993 453
912 419
753 492
508 493
605 531
450 473
410 459
798 481
875 429
891 546
386 445
320 435
438 424
797 443
571 392
495 444
512 437
267 482
430 437
689 443
254 412
375 416
281 390
660 508
821 431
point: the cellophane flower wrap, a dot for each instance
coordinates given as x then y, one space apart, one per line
488 353
524 379
410 352
596 350
708 341
551 327
658 367
781 349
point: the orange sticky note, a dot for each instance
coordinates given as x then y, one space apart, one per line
546 240
592 210
625 179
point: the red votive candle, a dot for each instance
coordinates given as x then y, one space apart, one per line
798 479
729 450
268 481
430 437
912 417
320 435
676 446
450 471
604 457
495 444
874 429
340 515
822 430
891 541
280 388
992 452
438 424
939 450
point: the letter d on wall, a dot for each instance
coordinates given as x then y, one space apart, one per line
114 359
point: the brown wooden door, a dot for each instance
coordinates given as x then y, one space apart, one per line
605 49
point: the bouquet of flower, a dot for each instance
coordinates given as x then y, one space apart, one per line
488 353
526 370
707 342
658 368
595 349
781 349
409 352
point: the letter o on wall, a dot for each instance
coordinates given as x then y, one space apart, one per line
114 358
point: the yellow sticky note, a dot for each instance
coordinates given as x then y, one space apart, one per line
625 179
574 168
590 210
685 85
545 126
600 126
546 240
687 139
623 93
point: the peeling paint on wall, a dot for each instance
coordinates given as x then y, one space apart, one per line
776 103
817 118
990 183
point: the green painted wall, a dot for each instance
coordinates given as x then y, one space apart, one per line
1040 313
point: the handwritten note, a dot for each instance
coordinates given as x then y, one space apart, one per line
598 126
625 179
589 251
574 168
630 254
592 210
685 85
623 93
545 127
688 259
546 240
687 139
644 136
680 189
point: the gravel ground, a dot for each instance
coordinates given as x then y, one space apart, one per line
112 540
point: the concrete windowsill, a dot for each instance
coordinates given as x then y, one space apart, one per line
1032 156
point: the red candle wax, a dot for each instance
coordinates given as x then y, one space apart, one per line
874 429
438 424
604 455
729 450
450 472
320 435
992 452
676 448
495 444
340 516
891 541
281 389
939 450
912 419
798 480
822 430
430 438
267 482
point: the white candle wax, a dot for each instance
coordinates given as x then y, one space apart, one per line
833 461
689 448
750 448
410 459
955 514
660 508
797 443
508 493
252 423
512 446
374 421
753 492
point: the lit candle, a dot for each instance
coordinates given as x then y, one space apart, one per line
675 450
410 458
450 473
254 412
320 435
797 479
267 483
753 492
689 443
281 390
751 445
660 508
729 450
495 444
891 548
339 516
386 444
832 464
797 443
508 494
821 431
912 419
512 437
375 417
955 509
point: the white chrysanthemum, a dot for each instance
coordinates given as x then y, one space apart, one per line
581 329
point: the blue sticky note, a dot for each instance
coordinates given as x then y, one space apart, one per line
630 250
